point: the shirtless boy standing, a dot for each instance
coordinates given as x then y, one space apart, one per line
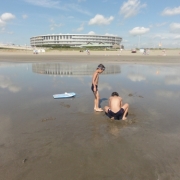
116 110
94 86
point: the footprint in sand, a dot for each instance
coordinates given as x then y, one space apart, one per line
48 119
65 105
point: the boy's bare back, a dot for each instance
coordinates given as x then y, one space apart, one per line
115 103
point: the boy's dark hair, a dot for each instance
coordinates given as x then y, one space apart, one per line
101 66
114 94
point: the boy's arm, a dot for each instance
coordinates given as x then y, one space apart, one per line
94 78
109 103
120 101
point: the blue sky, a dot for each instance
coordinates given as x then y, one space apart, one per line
141 23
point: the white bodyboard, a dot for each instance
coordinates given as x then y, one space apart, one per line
65 95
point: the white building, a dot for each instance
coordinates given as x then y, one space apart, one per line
75 40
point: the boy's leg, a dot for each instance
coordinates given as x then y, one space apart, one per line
95 94
96 101
125 107
106 109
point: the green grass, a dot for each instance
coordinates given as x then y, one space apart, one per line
65 48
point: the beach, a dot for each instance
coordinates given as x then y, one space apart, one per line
44 138
156 56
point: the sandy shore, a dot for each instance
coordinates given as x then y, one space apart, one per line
169 52
156 56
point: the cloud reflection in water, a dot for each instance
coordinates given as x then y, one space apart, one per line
6 83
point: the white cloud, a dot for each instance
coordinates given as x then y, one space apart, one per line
54 25
77 8
2 23
151 26
91 33
24 16
2 30
175 28
177 37
4 18
131 8
124 41
107 34
156 36
101 20
10 32
167 40
161 24
136 77
44 3
170 12
57 5
139 31
81 28
164 36
7 16
175 43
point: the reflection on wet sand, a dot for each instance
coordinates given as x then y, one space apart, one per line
6 83
71 69
66 139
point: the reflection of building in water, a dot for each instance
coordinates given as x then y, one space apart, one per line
71 69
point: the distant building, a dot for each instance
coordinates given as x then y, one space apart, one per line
76 40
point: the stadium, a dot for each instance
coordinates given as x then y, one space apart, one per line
75 40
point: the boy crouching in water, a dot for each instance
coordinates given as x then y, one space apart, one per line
94 86
116 110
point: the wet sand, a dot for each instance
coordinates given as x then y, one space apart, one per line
43 138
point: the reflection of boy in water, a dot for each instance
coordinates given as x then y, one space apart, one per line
94 86
116 110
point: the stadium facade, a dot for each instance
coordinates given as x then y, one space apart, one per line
75 40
